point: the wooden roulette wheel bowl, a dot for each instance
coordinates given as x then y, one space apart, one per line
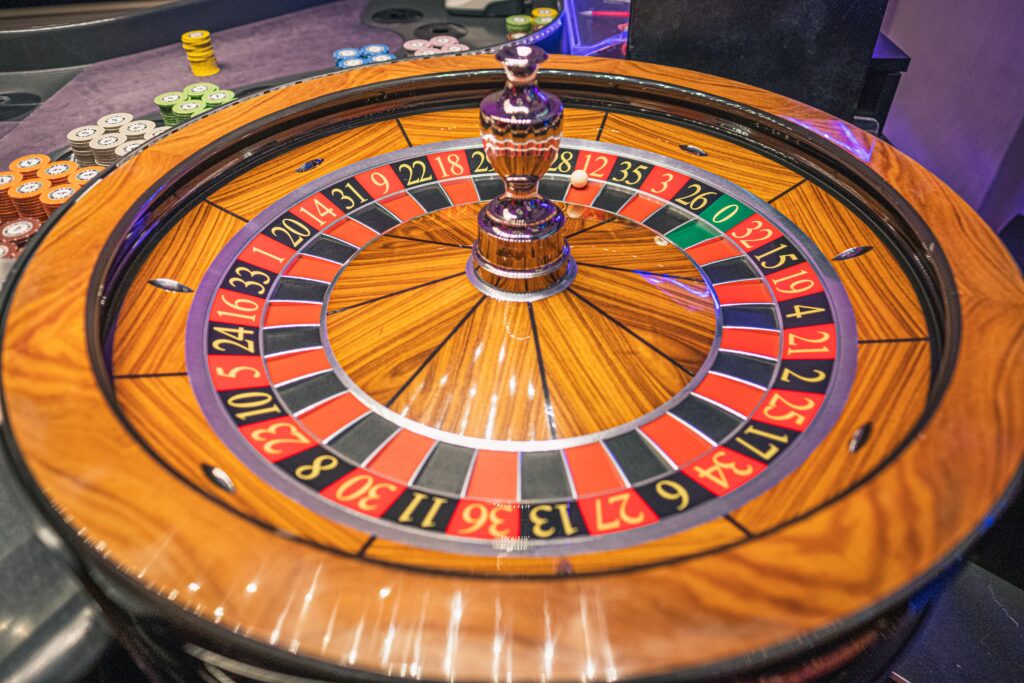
236 524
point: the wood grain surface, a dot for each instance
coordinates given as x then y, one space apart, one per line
754 172
797 582
414 338
259 187
185 254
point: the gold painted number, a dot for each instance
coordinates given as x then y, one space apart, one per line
255 278
321 463
429 520
454 165
237 337
252 404
789 410
364 489
342 194
544 524
674 492
755 233
475 515
278 434
564 162
629 174
318 216
780 260
416 172
480 161
293 230
695 199
786 376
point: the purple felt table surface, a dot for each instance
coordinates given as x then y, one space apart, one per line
273 48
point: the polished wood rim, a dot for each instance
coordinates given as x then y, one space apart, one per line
841 564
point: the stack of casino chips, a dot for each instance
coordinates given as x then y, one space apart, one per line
29 165
183 111
541 22
136 130
198 48
166 102
111 123
13 236
217 98
8 252
84 175
56 196
79 138
437 45
58 172
103 147
26 195
19 231
160 130
349 57
126 148
195 91
518 25
8 179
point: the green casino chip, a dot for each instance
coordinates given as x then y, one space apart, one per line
195 91
218 98
518 23
183 111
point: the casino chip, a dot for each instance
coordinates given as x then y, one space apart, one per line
351 63
416 44
195 91
457 47
543 13
443 41
158 131
379 59
166 103
79 139
8 250
84 175
198 48
26 195
518 23
103 147
58 171
136 130
126 148
18 232
29 165
426 51
344 53
112 122
183 111
217 98
55 197
374 49
8 179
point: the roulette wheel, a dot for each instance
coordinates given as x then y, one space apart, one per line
632 377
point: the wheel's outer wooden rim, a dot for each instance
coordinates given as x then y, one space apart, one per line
870 548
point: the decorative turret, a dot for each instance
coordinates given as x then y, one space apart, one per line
520 252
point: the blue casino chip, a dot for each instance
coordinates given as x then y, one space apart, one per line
349 63
383 58
374 49
346 53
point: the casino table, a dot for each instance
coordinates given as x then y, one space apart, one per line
302 399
